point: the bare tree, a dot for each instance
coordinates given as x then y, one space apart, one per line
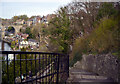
82 16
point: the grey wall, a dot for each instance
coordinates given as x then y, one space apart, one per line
105 64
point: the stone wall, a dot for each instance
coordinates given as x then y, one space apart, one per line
105 64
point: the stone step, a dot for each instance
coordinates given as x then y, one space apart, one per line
69 79
79 71
83 73
76 70
78 75
92 80
90 77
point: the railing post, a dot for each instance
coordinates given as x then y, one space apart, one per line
26 65
35 69
7 70
68 64
14 69
20 69
57 79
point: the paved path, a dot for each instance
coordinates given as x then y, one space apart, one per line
81 76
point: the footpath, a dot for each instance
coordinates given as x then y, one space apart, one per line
79 76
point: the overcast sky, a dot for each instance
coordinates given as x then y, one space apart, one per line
10 8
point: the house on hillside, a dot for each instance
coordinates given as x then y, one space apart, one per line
23 44
44 19
50 16
38 19
34 20
33 42
22 36
29 22
25 36
20 22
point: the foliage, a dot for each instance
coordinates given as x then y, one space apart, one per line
22 30
12 44
30 65
36 30
116 54
80 47
41 29
77 57
99 23
23 17
107 9
104 38
11 29
17 67
59 31
28 31
15 18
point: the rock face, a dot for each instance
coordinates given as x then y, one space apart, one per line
105 65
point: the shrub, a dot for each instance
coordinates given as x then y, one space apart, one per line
80 47
77 57
103 38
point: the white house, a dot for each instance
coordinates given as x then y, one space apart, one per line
23 44
20 22
32 42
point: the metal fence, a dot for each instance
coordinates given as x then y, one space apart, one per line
34 67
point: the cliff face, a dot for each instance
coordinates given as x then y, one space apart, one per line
102 64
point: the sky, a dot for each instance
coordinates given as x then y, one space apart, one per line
10 8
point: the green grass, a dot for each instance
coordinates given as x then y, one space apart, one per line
116 54
76 58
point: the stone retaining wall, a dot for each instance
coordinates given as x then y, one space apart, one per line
104 64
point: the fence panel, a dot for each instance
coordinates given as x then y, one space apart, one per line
34 67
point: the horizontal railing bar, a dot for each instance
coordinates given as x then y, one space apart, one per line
41 77
33 79
25 59
21 52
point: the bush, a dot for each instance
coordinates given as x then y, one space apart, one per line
77 57
103 38
80 47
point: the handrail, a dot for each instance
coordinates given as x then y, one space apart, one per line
27 52
34 63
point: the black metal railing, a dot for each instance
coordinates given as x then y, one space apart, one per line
34 67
